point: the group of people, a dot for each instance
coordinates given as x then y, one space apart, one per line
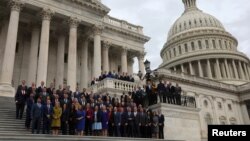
123 76
87 113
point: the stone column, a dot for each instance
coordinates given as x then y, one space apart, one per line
106 47
182 69
124 60
191 68
33 55
203 43
248 68
72 53
218 72
44 47
60 60
235 70
10 46
242 76
141 62
200 69
217 44
84 64
227 69
245 113
210 42
246 71
97 52
223 71
175 69
209 72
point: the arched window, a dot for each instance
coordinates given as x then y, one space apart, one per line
219 105
208 119
223 120
205 103
233 121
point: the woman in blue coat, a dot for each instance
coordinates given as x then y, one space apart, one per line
80 118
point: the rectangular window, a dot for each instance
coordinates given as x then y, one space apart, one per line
65 58
207 46
214 46
220 43
174 52
225 44
179 49
192 44
200 46
219 105
230 107
17 47
186 48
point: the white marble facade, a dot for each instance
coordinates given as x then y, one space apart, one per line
64 40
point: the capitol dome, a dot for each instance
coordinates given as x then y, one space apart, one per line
198 44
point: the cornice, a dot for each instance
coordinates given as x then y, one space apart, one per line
205 54
127 32
93 4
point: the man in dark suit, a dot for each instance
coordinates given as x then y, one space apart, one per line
77 94
149 91
137 132
178 94
47 116
116 122
40 88
50 90
167 97
129 122
20 99
172 93
161 90
44 95
142 122
31 88
29 102
36 116
65 119
66 100
161 125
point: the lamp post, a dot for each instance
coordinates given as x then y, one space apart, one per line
148 70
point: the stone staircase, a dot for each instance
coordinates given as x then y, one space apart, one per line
12 129
8 122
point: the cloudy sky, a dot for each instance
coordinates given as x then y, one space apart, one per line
157 16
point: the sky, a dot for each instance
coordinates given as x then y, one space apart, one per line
157 17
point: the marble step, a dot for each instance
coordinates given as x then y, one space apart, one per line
29 137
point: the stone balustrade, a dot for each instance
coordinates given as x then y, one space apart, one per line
196 79
113 86
123 24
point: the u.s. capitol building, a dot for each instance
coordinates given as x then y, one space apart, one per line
202 57
72 41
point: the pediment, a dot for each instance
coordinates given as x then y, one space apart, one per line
93 4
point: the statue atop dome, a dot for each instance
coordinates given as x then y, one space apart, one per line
190 5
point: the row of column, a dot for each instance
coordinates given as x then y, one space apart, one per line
37 69
237 70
